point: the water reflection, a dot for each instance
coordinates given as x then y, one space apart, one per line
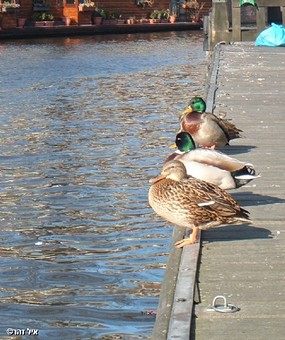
82 254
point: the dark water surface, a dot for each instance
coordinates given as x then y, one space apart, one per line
84 124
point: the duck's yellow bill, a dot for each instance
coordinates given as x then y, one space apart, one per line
187 110
172 146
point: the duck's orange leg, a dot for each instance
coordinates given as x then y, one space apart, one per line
190 240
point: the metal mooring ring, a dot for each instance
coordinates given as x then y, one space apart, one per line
225 308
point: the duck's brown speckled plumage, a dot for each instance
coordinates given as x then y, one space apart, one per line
188 202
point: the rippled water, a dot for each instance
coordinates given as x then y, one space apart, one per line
84 124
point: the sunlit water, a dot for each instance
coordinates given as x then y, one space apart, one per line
85 123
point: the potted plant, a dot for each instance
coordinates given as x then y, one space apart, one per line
173 15
37 19
131 20
192 9
43 19
87 6
98 16
153 17
9 7
110 19
164 15
172 18
119 19
113 18
48 18
144 21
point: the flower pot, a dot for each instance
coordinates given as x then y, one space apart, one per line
109 22
49 23
21 22
86 9
39 23
195 18
97 20
11 9
172 19
67 21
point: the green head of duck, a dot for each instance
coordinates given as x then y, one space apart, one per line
185 142
197 104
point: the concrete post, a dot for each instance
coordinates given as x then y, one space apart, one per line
219 22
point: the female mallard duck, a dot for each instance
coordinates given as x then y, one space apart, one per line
206 128
210 165
189 202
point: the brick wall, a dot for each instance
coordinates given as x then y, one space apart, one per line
26 9
127 8
8 20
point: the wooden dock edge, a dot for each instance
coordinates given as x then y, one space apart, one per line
176 301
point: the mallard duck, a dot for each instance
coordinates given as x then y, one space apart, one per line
210 165
190 202
206 128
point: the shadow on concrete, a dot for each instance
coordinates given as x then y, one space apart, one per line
236 232
232 150
248 199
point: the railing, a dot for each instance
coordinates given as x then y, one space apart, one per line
217 25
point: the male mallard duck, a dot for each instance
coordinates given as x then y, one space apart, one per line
210 165
189 202
206 128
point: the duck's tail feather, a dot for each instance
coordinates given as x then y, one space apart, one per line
244 175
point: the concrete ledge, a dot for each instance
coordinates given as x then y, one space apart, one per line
175 309
181 315
167 291
57 31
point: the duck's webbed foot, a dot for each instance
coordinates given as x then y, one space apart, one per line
189 240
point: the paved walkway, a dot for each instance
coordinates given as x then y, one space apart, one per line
246 263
